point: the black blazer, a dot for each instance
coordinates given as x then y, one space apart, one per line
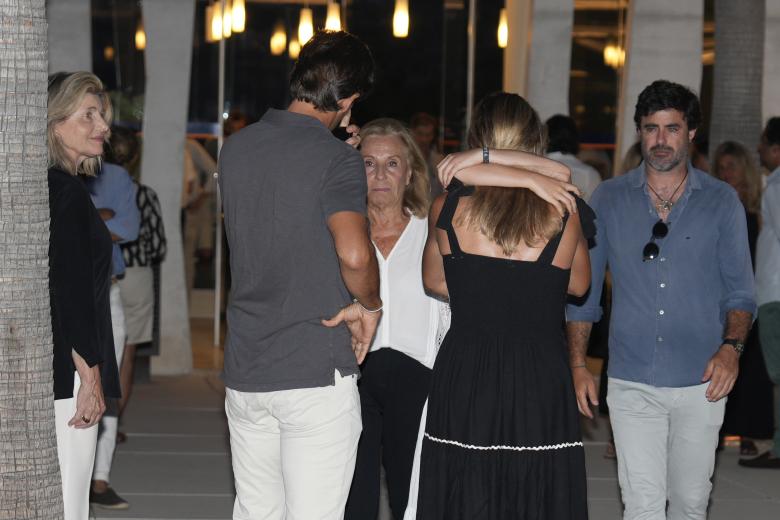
79 285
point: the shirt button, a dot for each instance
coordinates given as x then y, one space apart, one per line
662 259
659 339
661 312
662 285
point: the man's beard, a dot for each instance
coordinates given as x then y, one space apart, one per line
664 164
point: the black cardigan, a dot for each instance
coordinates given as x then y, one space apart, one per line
79 285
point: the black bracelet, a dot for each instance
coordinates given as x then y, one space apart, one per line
485 155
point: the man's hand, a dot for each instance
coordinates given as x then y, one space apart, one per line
354 140
90 403
585 390
722 370
361 324
558 193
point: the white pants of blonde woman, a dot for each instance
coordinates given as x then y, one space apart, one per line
666 440
108 424
294 451
76 453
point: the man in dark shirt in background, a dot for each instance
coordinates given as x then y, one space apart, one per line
294 199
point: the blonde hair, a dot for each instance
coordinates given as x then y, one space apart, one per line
508 216
66 92
751 194
417 195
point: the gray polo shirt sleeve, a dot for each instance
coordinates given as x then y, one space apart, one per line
344 185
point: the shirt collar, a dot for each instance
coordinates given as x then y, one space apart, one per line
639 177
287 118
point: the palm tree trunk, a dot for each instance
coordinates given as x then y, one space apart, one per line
30 485
737 76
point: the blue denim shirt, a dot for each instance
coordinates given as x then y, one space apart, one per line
668 314
114 189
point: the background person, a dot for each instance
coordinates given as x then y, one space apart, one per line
563 144
749 407
85 371
768 279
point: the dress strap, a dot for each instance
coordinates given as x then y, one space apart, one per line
548 253
455 191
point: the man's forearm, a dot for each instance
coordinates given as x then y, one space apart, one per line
738 325
578 334
362 282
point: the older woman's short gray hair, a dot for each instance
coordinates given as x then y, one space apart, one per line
66 92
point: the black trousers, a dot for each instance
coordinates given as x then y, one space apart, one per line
393 388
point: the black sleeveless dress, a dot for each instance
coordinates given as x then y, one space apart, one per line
502 439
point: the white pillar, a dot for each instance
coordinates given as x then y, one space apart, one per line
550 57
518 15
663 41
771 90
70 35
169 29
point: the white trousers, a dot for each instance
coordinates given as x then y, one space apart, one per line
666 440
108 425
294 451
76 453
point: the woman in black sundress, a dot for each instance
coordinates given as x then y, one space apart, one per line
502 438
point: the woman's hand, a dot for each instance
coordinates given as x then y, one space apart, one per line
90 404
558 193
354 140
455 162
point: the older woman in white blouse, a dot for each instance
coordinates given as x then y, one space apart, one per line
396 373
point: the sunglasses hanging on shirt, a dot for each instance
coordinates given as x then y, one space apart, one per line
651 250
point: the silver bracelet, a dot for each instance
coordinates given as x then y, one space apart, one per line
355 300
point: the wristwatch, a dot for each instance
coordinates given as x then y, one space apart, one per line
735 344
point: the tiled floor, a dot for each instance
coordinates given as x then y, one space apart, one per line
176 461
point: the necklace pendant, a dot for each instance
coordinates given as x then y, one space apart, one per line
665 205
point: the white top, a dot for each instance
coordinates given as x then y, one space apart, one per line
584 176
410 319
768 245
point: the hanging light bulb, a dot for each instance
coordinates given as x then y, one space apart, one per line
227 20
278 40
238 16
305 26
333 21
614 55
294 49
401 19
140 37
503 29
216 22
207 22
109 53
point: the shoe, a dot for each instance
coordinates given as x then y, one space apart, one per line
766 460
747 448
108 499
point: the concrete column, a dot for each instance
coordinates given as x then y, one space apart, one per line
771 90
663 41
169 29
550 59
70 35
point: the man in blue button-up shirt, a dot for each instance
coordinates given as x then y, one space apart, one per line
675 240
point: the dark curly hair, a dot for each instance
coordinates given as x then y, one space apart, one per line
772 131
333 65
663 95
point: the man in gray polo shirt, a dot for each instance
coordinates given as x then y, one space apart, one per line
294 199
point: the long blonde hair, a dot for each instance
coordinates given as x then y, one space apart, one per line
509 216
66 92
417 195
751 194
